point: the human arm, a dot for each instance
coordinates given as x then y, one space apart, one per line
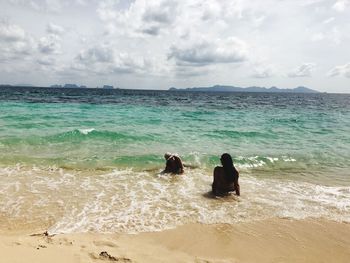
179 164
236 185
167 168
214 186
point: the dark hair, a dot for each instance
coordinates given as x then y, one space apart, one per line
230 171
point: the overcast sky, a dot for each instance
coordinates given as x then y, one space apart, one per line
157 44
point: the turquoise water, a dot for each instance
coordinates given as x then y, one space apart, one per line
82 139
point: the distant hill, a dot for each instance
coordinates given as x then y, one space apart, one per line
219 88
107 87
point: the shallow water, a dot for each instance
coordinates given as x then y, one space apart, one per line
90 160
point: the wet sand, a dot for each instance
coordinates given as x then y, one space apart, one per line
274 240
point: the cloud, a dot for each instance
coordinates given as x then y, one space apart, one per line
163 13
343 70
211 10
54 29
341 5
103 59
97 54
205 52
11 33
145 17
333 35
46 61
40 5
50 44
189 72
328 20
156 17
52 6
151 30
14 42
262 72
82 2
304 70
317 37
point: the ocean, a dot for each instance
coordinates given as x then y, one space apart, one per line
78 160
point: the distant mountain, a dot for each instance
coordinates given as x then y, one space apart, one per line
219 88
71 86
107 87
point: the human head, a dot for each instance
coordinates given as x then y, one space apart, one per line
226 160
167 155
230 171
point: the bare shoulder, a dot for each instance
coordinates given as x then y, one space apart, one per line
176 157
218 168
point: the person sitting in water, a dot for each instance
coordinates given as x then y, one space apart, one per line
173 164
225 177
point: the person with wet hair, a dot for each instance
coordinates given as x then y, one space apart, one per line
173 164
225 177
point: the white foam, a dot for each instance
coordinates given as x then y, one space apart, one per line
86 131
288 159
130 201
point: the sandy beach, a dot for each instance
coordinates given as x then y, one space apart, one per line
277 240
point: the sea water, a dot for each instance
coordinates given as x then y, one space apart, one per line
77 160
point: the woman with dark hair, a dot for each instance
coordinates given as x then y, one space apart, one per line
225 177
173 164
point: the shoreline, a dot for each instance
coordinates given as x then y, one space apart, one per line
272 240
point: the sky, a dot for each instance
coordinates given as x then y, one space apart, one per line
158 44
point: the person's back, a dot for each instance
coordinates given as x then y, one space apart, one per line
173 164
225 177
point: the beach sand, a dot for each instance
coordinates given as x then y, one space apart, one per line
274 240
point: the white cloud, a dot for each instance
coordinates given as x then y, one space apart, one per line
261 72
329 20
52 6
11 33
341 5
46 61
336 35
14 42
82 2
317 37
213 10
162 13
50 44
40 5
204 52
54 29
141 17
153 17
97 54
343 70
103 59
189 72
333 35
304 70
